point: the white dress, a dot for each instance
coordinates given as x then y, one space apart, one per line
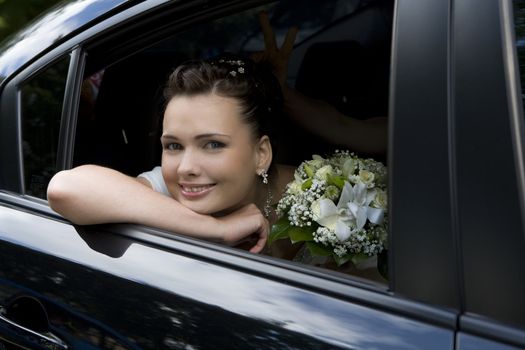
156 180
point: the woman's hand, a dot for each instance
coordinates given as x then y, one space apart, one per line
243 224
277 57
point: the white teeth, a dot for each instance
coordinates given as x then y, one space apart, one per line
195 189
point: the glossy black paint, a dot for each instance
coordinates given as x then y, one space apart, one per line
157 297
483 222
52 28
419 161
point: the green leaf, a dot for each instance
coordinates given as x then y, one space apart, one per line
300 234
359 258
308 170
279 230
306 184
340 260
318 249
338 181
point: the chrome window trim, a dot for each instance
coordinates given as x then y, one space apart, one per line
514 96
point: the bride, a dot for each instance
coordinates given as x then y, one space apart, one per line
216 181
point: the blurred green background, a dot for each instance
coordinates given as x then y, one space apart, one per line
14 14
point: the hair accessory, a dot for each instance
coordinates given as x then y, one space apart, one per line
236 65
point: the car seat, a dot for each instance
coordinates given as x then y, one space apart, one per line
349 76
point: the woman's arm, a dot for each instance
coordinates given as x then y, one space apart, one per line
91 194
321 118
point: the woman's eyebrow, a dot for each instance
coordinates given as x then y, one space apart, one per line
207 135
168 137
200 136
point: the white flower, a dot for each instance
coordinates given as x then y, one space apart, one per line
323 172
295 187
349 167
357 224
358 199
316 163
380 200
333 219
315 208
332 192
367 178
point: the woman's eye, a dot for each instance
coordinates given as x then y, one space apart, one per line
214 145
173 146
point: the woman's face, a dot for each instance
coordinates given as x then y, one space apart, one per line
210 159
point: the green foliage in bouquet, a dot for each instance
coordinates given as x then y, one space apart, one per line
337 206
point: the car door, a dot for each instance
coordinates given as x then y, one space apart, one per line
489 125
127 286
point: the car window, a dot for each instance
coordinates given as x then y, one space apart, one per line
42 99
341 57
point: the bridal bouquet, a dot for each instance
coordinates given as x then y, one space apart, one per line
337 206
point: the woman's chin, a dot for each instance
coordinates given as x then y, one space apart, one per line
222 212
225 211
213 211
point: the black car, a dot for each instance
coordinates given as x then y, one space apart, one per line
83 84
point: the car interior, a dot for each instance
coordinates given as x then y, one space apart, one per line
341 56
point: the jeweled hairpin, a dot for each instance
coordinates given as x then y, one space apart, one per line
238 63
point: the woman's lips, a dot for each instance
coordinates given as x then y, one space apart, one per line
195 191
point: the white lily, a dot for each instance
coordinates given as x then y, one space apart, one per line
337 218
351 212
358 200
334 218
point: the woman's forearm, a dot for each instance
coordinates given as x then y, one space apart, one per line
91 194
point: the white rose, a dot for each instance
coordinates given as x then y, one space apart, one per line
316 162
380 200
324 172
295 187
367 177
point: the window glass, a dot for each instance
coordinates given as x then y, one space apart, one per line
340 60
41 101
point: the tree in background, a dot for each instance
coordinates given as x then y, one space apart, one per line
14 14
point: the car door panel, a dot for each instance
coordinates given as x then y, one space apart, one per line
160 298
467 341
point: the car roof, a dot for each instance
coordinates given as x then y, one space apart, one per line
52 28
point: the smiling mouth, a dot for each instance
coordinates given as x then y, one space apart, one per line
195 191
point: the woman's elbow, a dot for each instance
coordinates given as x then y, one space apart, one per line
61 191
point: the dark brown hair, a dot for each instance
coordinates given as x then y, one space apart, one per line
228 75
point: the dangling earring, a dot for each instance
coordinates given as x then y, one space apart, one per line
264 176
268 203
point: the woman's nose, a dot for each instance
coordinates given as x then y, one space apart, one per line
188 164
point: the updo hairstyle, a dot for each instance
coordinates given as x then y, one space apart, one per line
228 75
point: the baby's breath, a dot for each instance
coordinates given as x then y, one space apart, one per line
314 183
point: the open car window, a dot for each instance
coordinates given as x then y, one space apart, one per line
341 57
